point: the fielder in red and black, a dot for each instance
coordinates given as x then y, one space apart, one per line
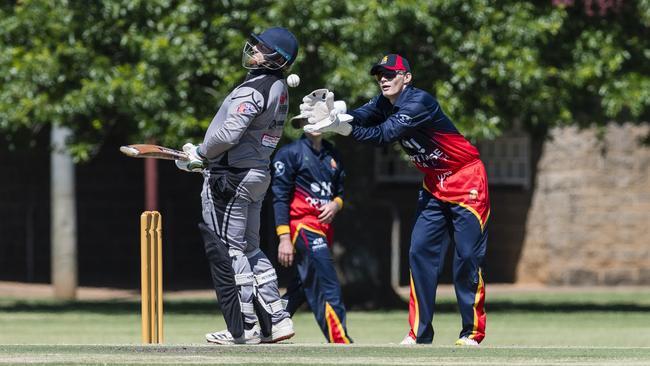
307 193
453 203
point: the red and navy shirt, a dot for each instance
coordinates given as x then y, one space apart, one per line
451 164
304 180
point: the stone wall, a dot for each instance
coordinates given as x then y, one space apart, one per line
589 222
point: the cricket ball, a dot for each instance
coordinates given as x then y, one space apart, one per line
293 80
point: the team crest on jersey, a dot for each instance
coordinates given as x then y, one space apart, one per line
279 168
333 164
283 98
473 195
246 108
404 119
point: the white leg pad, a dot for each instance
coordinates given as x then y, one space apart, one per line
266 277
245 279
247 308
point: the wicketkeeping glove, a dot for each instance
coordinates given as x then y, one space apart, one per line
316 105
335 122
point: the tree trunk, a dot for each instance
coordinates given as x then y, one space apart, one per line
63 217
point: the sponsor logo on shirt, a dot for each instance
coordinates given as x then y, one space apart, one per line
429 160
442 177
411 144
316 202
270 141
246 108
276 124
278 166
323 188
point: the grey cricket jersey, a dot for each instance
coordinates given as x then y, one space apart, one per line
249 123
241 139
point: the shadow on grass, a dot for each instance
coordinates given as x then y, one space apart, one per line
210 307
107 307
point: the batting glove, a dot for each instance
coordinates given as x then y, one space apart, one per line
195 162
189 166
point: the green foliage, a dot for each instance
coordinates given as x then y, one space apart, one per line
154 70
157 70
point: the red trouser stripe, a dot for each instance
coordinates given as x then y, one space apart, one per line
334 326
478 333
414 311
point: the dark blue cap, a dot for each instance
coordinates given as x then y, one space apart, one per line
280 40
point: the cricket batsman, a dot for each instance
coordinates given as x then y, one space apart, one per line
453 202
236 152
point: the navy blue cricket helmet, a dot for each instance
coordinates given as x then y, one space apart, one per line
278 46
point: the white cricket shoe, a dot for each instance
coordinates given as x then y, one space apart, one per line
464 341
251 336
408 340
280 331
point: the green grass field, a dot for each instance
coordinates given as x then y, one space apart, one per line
586 328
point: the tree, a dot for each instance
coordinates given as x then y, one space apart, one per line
159 68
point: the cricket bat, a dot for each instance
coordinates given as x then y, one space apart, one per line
153 151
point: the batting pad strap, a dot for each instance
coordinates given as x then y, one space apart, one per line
272 308
266 277
247 308
234 252
276 306
244 279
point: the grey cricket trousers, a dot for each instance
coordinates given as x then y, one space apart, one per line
232 202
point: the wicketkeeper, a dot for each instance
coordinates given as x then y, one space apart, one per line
236 150
453 203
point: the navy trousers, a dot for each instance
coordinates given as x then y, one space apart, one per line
316 283
437 225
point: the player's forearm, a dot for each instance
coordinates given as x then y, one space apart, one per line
372 135
281 213
391 130
367 115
